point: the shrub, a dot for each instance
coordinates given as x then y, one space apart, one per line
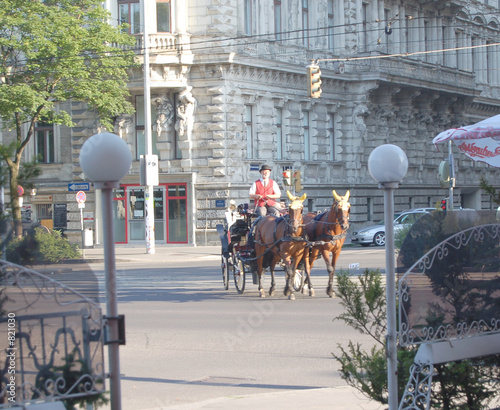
40 246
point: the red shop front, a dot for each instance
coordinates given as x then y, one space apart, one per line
170 205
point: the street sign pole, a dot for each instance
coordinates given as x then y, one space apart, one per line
81 197
452 176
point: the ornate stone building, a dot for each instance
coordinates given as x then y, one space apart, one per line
229 93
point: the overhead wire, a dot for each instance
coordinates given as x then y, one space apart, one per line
300 34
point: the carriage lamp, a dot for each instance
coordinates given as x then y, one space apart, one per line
105 159
388 165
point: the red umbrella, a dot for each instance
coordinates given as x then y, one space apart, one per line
480 141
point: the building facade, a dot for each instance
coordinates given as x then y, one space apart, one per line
228 90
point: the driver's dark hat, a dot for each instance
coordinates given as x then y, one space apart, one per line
265 167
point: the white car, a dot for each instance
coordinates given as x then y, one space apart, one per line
376 233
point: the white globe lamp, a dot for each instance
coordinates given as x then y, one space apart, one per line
388 163
105 159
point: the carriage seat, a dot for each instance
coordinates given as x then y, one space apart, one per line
238 230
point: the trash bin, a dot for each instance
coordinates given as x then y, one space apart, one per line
89 237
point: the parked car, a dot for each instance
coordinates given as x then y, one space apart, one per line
376 233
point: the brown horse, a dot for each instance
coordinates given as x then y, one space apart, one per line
327 232
281 239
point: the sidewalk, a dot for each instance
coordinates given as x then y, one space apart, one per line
339 398
163 253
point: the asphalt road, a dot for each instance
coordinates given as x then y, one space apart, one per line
189 340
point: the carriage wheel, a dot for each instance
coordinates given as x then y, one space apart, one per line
238 269
298 280
224 263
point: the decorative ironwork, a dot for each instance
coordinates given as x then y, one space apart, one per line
417 394
55 343
450 291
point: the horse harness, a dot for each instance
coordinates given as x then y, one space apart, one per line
325 238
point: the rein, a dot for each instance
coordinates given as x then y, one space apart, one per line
286 237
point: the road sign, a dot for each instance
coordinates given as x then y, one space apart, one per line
81 197
79 186
20 190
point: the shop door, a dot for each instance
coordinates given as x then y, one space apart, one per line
177 213
136 218
119 216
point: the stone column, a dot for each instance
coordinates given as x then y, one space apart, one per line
179 16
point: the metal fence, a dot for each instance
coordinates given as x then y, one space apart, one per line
52 337
449 294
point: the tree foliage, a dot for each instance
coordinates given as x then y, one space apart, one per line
490 189
51 52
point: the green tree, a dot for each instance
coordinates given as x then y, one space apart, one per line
54 51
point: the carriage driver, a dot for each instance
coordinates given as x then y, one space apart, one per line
264 191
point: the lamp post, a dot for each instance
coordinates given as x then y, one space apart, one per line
105 159
388 165
149 207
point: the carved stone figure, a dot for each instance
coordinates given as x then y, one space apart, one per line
165 114
122 124
185 113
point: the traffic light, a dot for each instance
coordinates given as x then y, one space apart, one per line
314 81
443 204
296 181
287 177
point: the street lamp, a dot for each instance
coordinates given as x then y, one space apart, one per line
105 159
388 165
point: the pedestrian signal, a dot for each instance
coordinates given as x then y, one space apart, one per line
443 204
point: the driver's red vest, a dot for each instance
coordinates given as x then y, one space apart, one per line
264 191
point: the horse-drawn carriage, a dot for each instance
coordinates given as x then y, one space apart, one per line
251 244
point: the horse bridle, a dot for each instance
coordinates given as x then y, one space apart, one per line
325 234
289 221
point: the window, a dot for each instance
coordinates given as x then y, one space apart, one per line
43 211
177 149
407 34
163 16
369 209
364 34
475 62
490 66
250 131
307 142
333 140
427 38
140 138
444 43
129 12
330 26
280 143
305 22
248 17
277 20
44 143
388 28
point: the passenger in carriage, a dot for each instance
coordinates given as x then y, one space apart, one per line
265 191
